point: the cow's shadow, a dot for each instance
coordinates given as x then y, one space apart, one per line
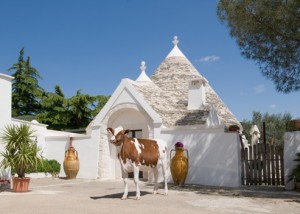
131 195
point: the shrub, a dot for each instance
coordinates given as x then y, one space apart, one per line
54 167
47 166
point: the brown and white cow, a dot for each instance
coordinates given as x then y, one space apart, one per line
134 153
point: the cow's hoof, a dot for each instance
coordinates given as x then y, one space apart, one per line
154 192
138 198
124 198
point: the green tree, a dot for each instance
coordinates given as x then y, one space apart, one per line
275 124
100 101
55 110
81 110
26 91
61 113
268 33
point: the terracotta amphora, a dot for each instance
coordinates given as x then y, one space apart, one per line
179 165
71 163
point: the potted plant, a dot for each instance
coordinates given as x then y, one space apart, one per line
21 153
233 128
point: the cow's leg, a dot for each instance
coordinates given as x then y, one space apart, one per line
136 181
164 171
155 173
125 180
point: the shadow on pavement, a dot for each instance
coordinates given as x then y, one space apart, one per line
247 191
119 195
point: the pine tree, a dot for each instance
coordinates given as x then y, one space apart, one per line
26 91
61 113
81 112
55 110
100 101
268 33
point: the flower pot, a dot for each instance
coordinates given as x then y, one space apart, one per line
20 184
71 163
293 125
233 128
179 165
296 124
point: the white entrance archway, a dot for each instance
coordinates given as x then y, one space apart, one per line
129 116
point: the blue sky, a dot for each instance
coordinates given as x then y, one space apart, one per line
92 44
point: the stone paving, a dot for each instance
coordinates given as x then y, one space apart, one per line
49 195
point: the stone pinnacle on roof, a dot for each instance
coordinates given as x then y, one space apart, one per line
143 66
175 51
143 76
175 40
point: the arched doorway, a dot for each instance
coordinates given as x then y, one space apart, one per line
129 117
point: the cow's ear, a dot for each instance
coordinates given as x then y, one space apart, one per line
126 131
110 130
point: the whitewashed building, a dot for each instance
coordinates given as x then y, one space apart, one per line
176 103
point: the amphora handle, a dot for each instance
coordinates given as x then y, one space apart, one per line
174 150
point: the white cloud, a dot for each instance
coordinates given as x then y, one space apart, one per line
211 58
273 106
259 88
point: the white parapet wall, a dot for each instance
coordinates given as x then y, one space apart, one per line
214 156
54 144
87 150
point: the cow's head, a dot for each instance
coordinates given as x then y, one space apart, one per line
118 135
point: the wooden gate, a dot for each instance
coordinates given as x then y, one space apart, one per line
262 164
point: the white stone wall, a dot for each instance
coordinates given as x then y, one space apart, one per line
214 156
5 112
5 100
55 143
87 150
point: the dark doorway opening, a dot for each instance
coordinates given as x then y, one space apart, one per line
136 133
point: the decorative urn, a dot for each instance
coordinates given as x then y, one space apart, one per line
179 164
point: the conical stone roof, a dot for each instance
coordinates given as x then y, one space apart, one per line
168 93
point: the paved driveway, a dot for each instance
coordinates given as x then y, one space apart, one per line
94 196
